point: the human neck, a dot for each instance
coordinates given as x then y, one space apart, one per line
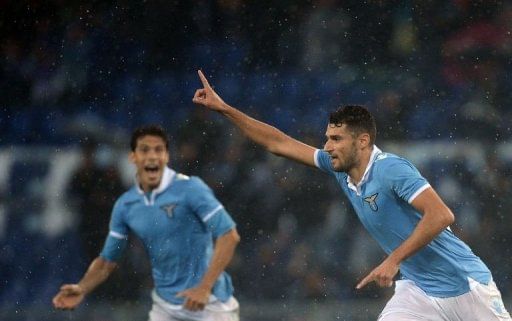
356 173
146 189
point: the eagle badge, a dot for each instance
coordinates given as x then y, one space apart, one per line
168 209
372 201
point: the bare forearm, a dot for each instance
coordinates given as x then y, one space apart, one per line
427 230
222 255
271 138
436 217
97 273
259 132
274 140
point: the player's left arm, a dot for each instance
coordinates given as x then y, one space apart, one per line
197 298
436 217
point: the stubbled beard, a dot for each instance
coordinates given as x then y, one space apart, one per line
346 166
349 163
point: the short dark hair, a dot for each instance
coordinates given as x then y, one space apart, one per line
357 118
151 130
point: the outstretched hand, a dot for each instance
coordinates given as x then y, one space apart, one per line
69 297
382 275
207 96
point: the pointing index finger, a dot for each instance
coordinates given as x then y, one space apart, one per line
203 79
364 282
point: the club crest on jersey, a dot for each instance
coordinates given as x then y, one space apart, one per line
372 201
168 209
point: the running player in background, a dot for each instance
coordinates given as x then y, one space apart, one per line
441 279
187 233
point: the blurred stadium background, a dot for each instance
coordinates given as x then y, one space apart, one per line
77 78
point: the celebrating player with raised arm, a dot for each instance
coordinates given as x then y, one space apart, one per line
187 233
440 277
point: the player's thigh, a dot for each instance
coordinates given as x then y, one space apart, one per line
485 303
223 311
399 316
157 313
409 303
224 316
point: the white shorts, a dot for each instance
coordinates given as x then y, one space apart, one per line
214 311
410 303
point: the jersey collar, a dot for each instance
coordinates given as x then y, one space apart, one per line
166 180
357 188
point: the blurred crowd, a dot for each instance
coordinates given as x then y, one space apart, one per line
87 74
70 68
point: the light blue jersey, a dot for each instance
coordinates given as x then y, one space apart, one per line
177 223
382 201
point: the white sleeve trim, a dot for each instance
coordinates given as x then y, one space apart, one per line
316 158
213 212
118 235
418 192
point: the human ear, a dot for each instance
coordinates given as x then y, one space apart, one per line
131 157
364 140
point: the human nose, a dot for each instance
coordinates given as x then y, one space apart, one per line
152 154
327 146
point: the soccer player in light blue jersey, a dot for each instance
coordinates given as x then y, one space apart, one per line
440 277
187 233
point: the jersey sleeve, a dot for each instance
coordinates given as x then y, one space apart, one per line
404 179
209 210
118 235
323 161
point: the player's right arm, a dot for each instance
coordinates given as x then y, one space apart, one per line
271 138
71 295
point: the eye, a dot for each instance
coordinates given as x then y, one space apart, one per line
144 149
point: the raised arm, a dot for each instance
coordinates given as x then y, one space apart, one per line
71 295
271 138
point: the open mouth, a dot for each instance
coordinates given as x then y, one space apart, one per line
151 169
